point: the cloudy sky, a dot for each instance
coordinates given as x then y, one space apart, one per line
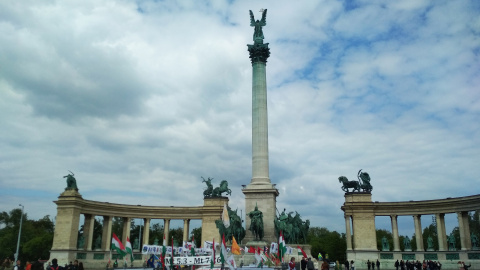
140 99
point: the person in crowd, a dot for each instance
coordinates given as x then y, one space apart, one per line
18 265
55 266
324 265
291 264
378 264
347 265
310 265
352 265
369 264
80 266
303 263
28 266
397 264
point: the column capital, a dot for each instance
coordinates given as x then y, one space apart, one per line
259 52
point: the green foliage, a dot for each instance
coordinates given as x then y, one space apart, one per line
197 232
135 233
156 232
177 235
117 226
325 242
36 238
474 221
430 231
384 233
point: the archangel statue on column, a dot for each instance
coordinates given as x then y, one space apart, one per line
258 24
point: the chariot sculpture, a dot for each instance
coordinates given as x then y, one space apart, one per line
363 183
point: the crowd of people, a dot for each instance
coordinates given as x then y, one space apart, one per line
39 265
417 265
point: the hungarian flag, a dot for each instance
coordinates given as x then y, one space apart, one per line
281 246
223 250
225 218
235 247
117 245
303 253
128 249
192 248
212 261
259 260
164 251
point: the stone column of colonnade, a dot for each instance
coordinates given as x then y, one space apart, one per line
107 232
348 232
166 229
442 237
88 226
418 232
146 230
464 230
126 229
186 229
396 240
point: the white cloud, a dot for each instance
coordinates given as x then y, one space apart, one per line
142 98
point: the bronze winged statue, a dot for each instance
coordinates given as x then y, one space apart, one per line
258 24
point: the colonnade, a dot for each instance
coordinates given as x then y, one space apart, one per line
71 205
360 213
107 231
463 226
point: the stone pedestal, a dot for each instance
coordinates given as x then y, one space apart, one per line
266 200
213 208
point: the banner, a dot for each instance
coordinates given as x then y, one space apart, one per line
198 260
152 249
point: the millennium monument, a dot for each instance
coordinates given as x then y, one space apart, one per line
260 194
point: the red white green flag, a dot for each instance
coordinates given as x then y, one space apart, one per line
117 245
128 249
282 248
212 261
223 251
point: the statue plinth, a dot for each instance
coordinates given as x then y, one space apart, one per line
69 192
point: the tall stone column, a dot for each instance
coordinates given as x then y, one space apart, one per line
442 237
464 230
186 228
418 232
146 231
107 232
166 230
260 192
396 240
126 229
88 226
348 232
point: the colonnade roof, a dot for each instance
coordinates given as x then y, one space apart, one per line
426 207
136 211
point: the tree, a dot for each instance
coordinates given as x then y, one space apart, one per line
156 233
325 242
384 233
430 231
197 232
36 238
177 235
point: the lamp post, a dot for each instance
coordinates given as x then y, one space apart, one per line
19 233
